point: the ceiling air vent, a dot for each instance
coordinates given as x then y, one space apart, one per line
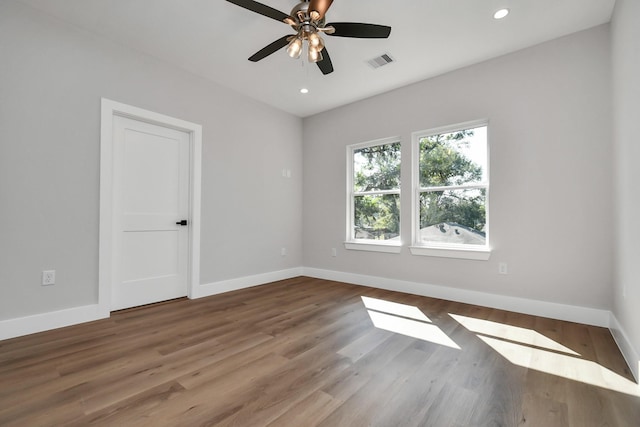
381 60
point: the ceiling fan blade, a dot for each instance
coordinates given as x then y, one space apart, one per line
359 30
320 6
325 65
260 8
270 48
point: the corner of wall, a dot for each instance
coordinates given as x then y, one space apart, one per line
630 354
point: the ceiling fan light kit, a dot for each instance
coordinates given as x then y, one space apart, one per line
295 47
314 55
307 19
315 44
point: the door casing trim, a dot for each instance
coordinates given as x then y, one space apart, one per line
109 109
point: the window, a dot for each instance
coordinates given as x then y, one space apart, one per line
451 187
374 196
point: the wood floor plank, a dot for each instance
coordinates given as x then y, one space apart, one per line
540 411
354 378
130 411
70 388
451 406
360 347
607 354
309 412
306 352
110 391
221 396
241 364
360 409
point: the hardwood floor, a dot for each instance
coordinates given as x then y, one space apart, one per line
305 352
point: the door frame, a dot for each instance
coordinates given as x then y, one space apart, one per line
110 109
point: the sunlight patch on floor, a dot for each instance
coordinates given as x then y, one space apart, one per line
526 348
405 320
390 307
573 368
511 333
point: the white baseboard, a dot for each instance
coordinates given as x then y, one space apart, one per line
626 348
20 326
17 327
12 328
571 313
222 286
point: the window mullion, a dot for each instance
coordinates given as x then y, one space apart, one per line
375 192
452 187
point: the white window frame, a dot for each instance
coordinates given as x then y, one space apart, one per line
451 250
367 244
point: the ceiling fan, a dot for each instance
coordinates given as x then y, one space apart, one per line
307 18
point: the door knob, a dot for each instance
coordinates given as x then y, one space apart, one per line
183 222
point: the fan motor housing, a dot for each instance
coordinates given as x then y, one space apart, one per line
300 7
300 13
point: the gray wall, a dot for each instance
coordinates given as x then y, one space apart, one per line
52 77
551 215
626 106
551 154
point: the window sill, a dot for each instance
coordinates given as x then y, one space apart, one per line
482 254
391 248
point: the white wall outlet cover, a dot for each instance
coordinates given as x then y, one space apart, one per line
502 268
48 277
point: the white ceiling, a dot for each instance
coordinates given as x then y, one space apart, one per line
214 38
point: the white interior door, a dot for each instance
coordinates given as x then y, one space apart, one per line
151 196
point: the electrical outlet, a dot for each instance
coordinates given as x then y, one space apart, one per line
334 253
48 277
283 251
502 268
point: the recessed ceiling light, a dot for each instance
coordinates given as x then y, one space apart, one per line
304 90
501 13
